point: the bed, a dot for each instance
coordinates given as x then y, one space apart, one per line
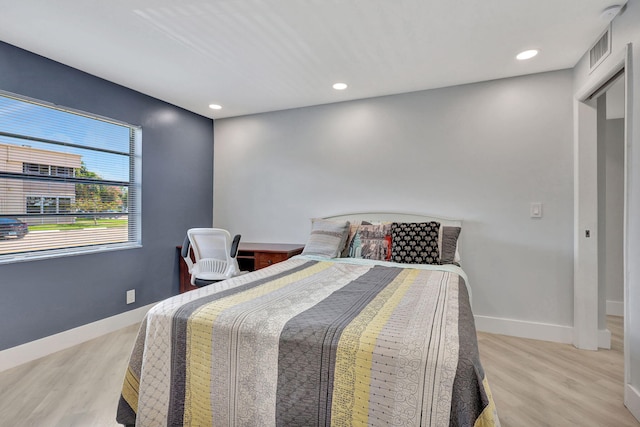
371 325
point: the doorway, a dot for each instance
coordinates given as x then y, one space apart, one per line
589 226
588 306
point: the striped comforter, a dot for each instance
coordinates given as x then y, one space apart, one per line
311 342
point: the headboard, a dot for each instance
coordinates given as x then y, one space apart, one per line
395 217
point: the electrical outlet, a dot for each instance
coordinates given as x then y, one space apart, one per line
131 296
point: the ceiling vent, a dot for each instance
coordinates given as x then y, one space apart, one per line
600 49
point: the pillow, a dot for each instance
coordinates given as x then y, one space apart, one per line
415 242
327 238
372 242
353 229
448 244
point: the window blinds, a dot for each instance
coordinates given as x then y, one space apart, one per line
73 178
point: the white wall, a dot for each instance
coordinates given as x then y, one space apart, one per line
611 212
614 201
626 30
479 152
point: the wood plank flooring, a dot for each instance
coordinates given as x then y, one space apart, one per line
534 383
76 387
538 383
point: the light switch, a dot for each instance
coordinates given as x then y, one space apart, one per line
536 210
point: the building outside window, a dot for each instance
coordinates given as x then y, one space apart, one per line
38 197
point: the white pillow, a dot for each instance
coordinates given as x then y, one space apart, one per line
327 238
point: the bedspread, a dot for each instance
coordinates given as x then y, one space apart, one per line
310 342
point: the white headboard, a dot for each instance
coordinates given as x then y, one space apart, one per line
395 217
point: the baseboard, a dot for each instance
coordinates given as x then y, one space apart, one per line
632 400
522 329
604 339
27 352
615 308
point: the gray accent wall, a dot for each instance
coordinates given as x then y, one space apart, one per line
480 153
41 298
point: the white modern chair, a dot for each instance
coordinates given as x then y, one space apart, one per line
214 252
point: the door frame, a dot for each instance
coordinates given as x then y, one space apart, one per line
585 284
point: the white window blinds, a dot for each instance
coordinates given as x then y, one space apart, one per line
69 181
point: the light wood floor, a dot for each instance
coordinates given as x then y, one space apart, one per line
538 383
76 387
534 383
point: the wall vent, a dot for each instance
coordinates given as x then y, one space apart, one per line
600 49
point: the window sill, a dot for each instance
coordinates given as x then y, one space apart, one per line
58 253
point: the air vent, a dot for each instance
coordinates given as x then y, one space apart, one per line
600 50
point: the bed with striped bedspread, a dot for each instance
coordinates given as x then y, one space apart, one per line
312 342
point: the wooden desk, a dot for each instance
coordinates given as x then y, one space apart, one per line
251 256
254 256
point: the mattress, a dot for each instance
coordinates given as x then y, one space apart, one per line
312 341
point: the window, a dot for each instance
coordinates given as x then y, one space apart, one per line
42 204
69 181
48 170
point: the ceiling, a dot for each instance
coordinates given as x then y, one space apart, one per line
253 56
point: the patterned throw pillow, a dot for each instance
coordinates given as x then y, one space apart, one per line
353 229
415 242
327 238
372 242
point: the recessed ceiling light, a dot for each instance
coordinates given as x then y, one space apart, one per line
215 106
340 86
527 54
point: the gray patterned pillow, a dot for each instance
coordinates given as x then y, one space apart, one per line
449 244
327 238
415 242
353 229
